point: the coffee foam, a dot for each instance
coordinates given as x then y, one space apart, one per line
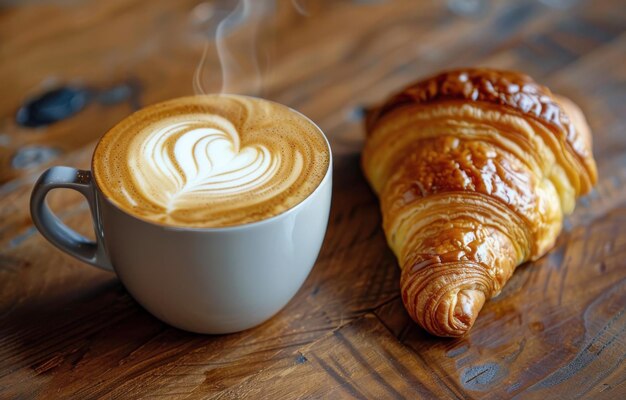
211 161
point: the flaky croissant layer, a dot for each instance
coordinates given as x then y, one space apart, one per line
474 169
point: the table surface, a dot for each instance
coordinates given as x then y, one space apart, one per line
558 330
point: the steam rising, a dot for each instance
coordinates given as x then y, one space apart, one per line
300 8
240 68
197 76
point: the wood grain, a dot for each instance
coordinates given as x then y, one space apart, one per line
558 330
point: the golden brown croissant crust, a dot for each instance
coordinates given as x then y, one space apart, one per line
475 169
511 89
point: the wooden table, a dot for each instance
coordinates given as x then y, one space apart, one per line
558 330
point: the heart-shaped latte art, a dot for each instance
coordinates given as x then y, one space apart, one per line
187 161
210 161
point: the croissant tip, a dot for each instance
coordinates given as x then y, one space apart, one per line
468 305
453 318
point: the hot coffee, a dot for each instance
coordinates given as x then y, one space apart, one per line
211 161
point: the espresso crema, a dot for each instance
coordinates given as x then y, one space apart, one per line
211 161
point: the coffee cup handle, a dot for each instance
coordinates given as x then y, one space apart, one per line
56 231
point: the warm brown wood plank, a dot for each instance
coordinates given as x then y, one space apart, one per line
360 360
69 331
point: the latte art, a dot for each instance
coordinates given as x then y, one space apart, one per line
185 163
211 161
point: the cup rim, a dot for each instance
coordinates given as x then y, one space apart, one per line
248 225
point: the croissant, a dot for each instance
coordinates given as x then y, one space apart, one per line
474 169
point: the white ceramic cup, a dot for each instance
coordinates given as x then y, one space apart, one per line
205 280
